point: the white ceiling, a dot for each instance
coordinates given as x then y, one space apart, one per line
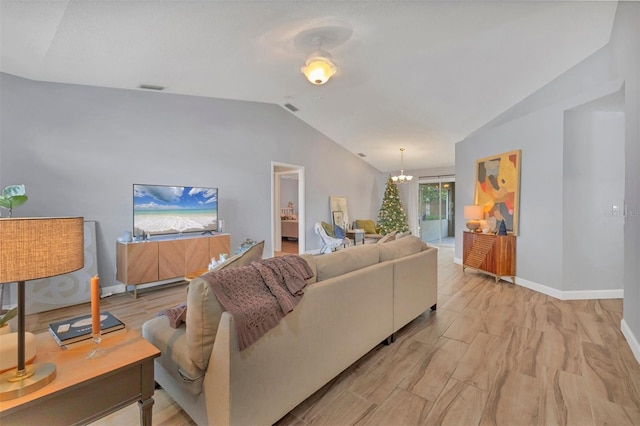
415 74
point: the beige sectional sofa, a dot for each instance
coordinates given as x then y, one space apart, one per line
359 297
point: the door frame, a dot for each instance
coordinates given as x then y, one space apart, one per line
428 180
278 169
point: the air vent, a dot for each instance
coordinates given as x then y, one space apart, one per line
151 87
362 154
290 107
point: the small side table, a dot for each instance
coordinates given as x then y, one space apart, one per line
86 390
357 235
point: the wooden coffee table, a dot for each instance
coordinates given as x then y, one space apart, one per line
86 390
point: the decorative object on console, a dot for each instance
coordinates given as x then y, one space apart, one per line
253 253
401 178
502 230
35 248
497 187
474 214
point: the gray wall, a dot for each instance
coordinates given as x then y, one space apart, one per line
539 136
550 164
626 53
593 184
79 149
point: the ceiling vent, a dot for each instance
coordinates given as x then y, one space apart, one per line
151 87
290 107
362 154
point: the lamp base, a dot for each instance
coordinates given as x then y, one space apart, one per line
473 225
36 376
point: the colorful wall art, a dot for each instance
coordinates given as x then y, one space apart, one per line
498 188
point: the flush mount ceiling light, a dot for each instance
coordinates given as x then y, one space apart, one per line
319 67
401 178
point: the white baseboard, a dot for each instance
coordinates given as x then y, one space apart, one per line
564 295
631 339
121 288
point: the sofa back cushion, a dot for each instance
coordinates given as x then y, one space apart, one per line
388 237
203 316
401 247
252 254
346 260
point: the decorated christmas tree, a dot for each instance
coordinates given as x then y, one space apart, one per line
392 216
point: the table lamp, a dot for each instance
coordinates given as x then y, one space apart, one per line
33 248
473 214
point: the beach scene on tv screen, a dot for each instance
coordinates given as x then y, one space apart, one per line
159 209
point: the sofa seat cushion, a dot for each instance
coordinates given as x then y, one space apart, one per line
401 247
172 343
346 260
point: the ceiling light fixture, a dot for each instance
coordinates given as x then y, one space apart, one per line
319 68
401 178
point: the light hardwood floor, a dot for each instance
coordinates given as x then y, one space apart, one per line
491 354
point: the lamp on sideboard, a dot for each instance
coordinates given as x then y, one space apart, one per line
33 248
473 214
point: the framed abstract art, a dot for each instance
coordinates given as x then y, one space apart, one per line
497 188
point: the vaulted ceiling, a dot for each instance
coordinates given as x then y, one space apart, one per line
421 75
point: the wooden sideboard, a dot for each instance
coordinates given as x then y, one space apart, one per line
491 254
164 259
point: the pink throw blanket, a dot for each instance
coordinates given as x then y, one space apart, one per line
261 294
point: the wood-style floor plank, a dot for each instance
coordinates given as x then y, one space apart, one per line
492 353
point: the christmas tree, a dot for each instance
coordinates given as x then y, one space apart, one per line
392 216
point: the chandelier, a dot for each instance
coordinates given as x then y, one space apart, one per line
401 178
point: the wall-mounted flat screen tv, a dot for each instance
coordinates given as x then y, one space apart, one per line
164 209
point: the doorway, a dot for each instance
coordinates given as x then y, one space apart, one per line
436 207
287 206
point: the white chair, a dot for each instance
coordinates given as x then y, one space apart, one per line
330 243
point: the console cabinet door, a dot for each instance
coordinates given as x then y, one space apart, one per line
219 244
197 255
137 263
171 255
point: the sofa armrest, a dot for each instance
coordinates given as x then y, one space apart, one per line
415 286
